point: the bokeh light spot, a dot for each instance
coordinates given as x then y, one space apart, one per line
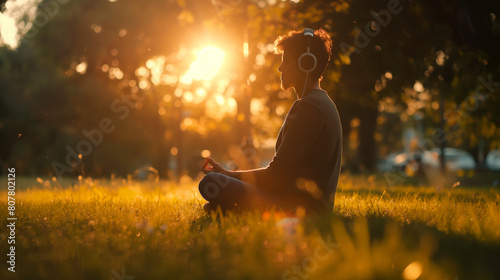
81 68
205 153
412 271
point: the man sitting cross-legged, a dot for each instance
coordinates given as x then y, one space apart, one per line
305 169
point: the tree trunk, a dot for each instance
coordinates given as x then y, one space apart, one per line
367 146
441 126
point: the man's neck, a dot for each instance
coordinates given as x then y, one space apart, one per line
310 86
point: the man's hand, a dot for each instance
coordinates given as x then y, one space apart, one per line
216 167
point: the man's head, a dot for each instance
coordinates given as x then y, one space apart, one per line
292 45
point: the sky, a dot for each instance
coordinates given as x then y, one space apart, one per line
15 10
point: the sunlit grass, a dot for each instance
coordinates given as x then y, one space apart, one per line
159 231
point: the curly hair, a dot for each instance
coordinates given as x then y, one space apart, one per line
295 43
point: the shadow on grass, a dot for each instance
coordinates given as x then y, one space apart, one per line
460 256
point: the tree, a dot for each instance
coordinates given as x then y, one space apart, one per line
410 54
386 46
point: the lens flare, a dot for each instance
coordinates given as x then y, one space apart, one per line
207 64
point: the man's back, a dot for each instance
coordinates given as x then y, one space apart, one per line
309 147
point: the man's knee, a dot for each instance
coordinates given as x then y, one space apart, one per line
211 185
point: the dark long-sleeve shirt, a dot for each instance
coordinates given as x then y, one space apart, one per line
308 151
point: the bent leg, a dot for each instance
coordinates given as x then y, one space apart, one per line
227 192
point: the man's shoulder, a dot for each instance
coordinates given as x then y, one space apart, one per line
320 100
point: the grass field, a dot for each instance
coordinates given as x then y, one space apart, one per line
129 230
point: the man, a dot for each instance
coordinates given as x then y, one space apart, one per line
305 169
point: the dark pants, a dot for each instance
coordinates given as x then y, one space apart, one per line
229 193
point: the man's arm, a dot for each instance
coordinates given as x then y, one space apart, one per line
249 176
301 132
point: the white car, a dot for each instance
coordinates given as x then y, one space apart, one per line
388 163
493 160
455 159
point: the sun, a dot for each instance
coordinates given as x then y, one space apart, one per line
205 67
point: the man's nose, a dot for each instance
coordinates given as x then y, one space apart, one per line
279 68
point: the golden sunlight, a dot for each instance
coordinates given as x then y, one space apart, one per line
207 64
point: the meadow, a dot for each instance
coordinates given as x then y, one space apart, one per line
122 229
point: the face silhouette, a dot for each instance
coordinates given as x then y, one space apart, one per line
290 73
